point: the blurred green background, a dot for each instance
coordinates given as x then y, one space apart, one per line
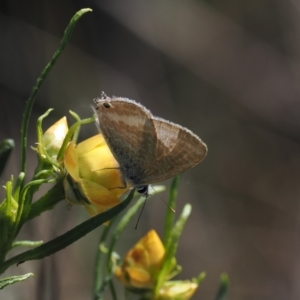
229 71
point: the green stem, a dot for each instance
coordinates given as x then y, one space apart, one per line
32 97
170 216
112 290
67 238
25 201
98 269
117 232
171 246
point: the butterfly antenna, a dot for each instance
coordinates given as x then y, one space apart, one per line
163 200
103 95
138 220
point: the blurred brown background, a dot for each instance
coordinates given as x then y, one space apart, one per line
229 71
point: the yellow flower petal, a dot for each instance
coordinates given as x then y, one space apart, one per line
138 256
108 177
91 143
154 248
99 165
97 194
70 161
96 174
144 259
54 136
93 210
139 278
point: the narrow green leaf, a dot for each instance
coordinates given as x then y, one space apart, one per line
223 288
18 186
47 201
26 199
76 133
8 214
70 134
40 80
39 128
26 244
171 247
200 278
39 132
67 238
13 279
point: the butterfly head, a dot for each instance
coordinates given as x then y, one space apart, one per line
102 103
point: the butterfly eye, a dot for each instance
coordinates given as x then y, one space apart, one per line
106 105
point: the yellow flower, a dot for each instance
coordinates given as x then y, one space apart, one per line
96 179
142 263
177 290
54 137
141 267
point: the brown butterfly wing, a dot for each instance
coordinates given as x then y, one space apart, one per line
177 150
129 131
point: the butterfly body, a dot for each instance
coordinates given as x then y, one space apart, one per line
148 149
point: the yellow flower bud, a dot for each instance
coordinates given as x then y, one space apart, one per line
142 263
177 290
96 179
54 136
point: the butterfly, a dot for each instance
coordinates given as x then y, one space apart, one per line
148 149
